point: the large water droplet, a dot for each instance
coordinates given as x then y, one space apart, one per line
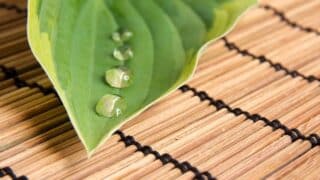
111 106
123 53
118 77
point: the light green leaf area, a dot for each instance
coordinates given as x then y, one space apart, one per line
72 41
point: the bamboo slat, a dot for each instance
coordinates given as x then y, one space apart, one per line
251 111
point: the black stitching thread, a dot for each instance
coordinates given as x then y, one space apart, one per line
11 73
262 59
184 167
12 7
7 171
294 134
164 158
314 139
285 19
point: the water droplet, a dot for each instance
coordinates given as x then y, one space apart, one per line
126 35
119 77
122 36
111 106
123 53
116 37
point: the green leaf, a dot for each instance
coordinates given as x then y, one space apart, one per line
72 41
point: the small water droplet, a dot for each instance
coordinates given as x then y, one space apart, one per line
116 37
126 35
110 106
119 77
122 36
123 53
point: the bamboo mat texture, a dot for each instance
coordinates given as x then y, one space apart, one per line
252 110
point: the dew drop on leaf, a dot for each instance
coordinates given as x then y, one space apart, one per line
122 36
123 53
119 77
116 37
126 35
110 106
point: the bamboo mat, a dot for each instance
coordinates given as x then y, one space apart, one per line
251 111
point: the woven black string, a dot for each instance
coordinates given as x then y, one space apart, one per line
7 171
263 59
285 19
164 158
12 7
314 139
294 134
11 73
128 140
20 83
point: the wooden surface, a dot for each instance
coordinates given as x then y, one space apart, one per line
251 111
